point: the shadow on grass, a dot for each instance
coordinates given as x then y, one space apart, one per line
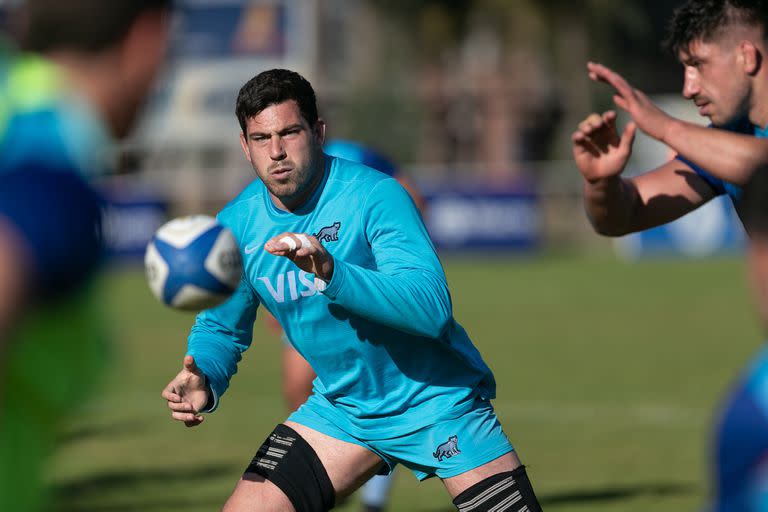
607 494
111 430
157 505
131 488
617 493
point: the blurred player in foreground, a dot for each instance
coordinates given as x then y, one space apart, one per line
297 373
722 46
77 87
740 447
339 254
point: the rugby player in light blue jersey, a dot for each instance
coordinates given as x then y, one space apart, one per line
338 253
298 376
723 46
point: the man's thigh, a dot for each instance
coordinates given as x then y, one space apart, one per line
346 465
455 485
501 484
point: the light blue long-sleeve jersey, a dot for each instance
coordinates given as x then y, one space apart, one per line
381 335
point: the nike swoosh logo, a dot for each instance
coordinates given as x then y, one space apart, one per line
250 250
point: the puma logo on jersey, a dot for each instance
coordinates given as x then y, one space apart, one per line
299 284
448 449
329 233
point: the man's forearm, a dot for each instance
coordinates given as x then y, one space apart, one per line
610 204
416 300
730 156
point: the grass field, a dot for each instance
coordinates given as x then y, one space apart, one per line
608 375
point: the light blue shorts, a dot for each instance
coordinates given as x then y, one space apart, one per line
444 448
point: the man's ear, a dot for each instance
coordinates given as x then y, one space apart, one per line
319 130
751 57
244 145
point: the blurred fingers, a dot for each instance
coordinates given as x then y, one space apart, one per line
287 243
600 73
303 240
181 407
170 394
186 417
609 118
599 131
195 422
189 364
621 102
282 244
593 123
628 137
582 143
309 245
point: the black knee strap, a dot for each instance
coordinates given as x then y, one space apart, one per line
289 462
510 491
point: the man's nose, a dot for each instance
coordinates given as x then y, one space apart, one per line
276 148
690 84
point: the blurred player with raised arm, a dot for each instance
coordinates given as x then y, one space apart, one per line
86 68
339 254
722 46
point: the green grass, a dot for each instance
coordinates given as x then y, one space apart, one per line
608 376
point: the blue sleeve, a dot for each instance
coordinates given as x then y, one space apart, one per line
59 218
717 185
407 290
219 337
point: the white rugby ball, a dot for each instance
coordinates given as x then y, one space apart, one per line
193 263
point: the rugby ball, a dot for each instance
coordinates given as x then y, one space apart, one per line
193 263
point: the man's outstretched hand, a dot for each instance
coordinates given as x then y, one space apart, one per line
305 251
648 117
598 150
187 394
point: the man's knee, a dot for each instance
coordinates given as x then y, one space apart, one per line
510 491
289 463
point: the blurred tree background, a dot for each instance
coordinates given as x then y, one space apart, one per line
488 84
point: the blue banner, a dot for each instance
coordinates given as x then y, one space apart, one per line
471 219
230 28
130 221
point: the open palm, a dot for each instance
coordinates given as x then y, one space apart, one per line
598 150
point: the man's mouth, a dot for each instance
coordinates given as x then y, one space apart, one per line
279 172
703 107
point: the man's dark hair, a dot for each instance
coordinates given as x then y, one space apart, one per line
273 87
86 26
703 19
